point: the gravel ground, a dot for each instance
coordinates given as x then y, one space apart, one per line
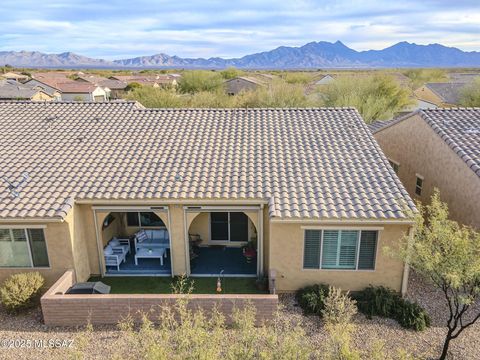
105 341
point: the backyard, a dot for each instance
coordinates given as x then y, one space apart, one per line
163 285
109 342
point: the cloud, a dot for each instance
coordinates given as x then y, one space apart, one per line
118 29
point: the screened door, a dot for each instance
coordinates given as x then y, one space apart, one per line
229 226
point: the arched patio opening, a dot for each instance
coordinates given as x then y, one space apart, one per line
135 242
223 243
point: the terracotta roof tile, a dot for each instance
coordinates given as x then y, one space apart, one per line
307 163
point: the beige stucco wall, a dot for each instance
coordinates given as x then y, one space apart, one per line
58 237
286 258
41 96
419 150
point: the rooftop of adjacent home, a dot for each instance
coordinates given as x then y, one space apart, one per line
314 163
458 127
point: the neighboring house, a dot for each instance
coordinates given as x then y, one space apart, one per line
325 80
47 85
308 191
12 90
242 83
82 91
437 148
463 77
116 88
440 94
14 76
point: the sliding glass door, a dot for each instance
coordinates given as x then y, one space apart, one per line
229 226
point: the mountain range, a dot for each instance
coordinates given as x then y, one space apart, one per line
313 55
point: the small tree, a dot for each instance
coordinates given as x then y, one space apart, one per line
448 255
470 94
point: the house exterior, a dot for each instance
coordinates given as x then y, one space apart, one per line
242 83
437 148
115 88
440 94
14 77
301 195
325 80
12 90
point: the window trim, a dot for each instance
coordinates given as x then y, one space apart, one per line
396 163
359 229
25 229
140 220
418 176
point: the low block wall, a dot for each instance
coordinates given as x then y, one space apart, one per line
76 310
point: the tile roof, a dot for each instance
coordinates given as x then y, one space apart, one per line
104 82
307 163
448 92
458 127
14 90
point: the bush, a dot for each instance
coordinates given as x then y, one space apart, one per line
21 291
312 298
200 80
470 94
380 301
338 308
376 97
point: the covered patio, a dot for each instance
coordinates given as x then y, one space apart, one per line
213 260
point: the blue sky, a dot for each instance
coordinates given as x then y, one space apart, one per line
120 29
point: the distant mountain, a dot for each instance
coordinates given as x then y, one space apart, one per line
312 55
38 59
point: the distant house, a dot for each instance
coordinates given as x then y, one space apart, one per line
440 94
242 83
12 90
463 77
437 148
325 80
116 88
47 85
71 90
14 76
80 91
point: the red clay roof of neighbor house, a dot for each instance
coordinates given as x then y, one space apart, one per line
76 87
319 163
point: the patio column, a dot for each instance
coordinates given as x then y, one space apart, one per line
177 238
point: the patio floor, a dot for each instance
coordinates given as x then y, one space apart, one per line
144 267
212 260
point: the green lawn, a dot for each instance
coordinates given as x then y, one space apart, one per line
162 285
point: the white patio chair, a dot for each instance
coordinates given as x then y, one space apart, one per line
120 243
114 256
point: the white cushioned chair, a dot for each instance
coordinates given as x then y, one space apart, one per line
114 256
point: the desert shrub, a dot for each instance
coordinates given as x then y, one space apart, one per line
200 80
312 298
470 94
297 77
411 315
338 308
277 94
151 97
208 99
132 86
230 73
376 97
21 291
418 77
381 301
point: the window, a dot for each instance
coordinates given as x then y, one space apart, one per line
395 166
23 248
229 226
419 185
144 219
340 249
